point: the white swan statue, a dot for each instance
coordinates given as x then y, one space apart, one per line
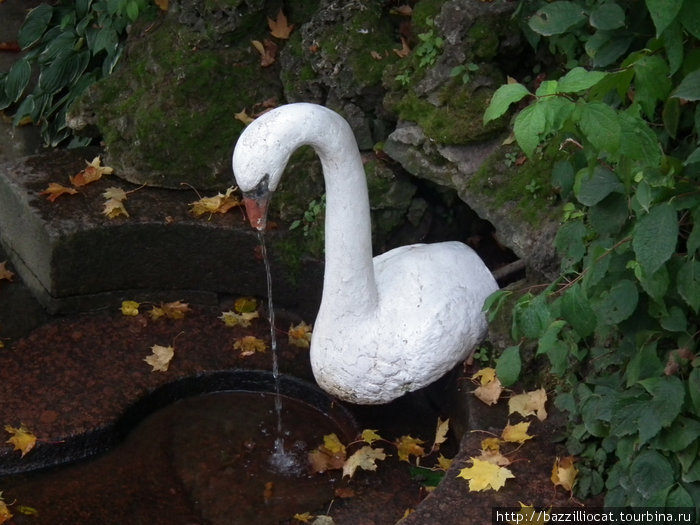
386 325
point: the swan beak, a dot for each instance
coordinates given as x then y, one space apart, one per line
256 208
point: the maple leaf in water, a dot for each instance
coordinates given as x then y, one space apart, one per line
92 172
280 27
329 456
409 446
5 274
160 358
249 345
483 475
5 513
22 439
55 190
369 436
364 458
172 310
232 318
130 308
300 335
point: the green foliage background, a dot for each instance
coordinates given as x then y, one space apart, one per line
620 326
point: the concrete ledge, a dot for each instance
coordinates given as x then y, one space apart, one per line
73 258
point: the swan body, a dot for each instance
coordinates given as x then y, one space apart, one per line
386 325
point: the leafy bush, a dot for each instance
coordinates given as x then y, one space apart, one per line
620 326
72 44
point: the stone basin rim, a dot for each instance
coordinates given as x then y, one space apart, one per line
91 443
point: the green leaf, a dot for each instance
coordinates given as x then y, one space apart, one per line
578 79
591 187
530 317
655 237
651 472
616 304
34 25
63 71
680 435
607 16
637 140
627 413
689 88
17 80
508 365
502 98
609 215
601 126
671 115
694 388
663 12
656 284
667 399
645 363
556 17
690 17
577 311
652 82
569 242
688 283
528 128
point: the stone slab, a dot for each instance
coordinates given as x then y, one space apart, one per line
73 258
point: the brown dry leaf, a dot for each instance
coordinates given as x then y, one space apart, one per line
364 458
130 308
516 433
92 172
160 358
55 190
220 203
5 513
564 473
5 274
409 446
267 50
483 475
376 55
22 439
231 318
243 117
115 193
529 404
405 49
280 27
249 345
172 310
404 10
495 457
490 392
300 335
162 4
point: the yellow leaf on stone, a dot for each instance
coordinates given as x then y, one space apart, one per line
115 193
485 375
304 518
114 208
495 457
160 358
92 172
242 116
364 458
528 514
220 203
244 305
443 463
409 446
441 432
564 473
130 308
490 392
492 443
172 310
516 433
249 345
279 27
55 190
529 404
22 439
483 475
369 436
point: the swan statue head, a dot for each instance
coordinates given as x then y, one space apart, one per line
386 325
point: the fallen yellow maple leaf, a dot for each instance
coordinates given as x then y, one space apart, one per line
172 310
249 345
244 305
529 404
280 27
5 274
441 433
564 473
443 463
364 458
300 335
231 318
160 358
5 513
369 436
329 456
484 375
306 517
243 117
220 203
114 208
22 439
490 392
92 172
130 308
55 190
409 446
516 433
483 475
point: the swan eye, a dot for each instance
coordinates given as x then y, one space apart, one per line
260 190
